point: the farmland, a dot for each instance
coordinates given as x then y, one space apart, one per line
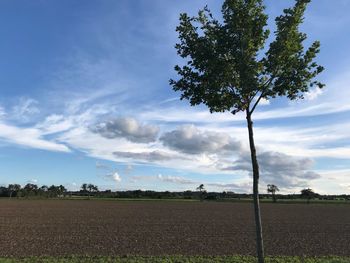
112 228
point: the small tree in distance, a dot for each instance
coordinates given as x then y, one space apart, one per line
14 188
201 190
227 69
308 194
89 188
271 188
61 191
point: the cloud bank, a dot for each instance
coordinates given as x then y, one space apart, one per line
127 128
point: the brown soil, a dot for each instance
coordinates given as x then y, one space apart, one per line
57 227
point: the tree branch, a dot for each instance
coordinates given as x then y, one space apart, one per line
256 103
265 86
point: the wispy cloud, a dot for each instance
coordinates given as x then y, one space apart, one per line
175 179
29 137
54 124
24 109
107 172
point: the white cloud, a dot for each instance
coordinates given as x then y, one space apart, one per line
245 187
332 181
313 94
55 123
176 179
29 137
191 140
127 128
32 181
72 186
26 108
115 177
108 173
277 168
264 102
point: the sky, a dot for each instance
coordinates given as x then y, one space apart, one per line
85 98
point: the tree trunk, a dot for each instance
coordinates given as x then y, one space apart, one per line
259 236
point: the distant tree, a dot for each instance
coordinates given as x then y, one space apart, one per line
13 188
53 191
230 68
95 188
30 189
200 188
271 188
61 190
136 193
91 188
44 190
188 194
84 188
202 191
4 191
308 194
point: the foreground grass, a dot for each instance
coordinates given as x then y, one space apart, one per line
175 259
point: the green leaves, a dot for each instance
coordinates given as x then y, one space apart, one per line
291 68
224 69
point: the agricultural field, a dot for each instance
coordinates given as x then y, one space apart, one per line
150 228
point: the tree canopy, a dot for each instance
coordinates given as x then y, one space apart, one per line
227 68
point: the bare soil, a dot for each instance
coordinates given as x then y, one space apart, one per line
88 227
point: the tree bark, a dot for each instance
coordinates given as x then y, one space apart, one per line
255 166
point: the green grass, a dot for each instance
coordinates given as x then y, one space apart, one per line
303 201
174 259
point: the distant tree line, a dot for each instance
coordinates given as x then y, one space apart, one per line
89 190
33 190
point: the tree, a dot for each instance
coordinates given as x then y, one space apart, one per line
271 188
201 190
227 69
13 188
308 194
44 190
61 190
30 189
95 188
53 191
84 188
89 188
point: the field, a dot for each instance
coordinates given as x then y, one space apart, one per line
151 228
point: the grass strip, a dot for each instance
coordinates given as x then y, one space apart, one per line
174 259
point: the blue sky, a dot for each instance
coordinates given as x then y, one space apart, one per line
85 98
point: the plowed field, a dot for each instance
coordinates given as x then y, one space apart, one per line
88 227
